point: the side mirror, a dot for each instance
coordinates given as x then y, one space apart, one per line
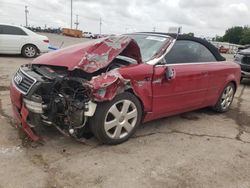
170 73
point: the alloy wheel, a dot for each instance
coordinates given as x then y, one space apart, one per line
227 97
120 119
30 51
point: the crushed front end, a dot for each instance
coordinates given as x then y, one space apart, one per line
63 88
47 95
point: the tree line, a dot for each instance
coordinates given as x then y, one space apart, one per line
235 35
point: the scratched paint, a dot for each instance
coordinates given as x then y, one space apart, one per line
91 56
107 86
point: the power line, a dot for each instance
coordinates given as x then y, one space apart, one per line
102 23
71 13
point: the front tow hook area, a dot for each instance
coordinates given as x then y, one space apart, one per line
25 126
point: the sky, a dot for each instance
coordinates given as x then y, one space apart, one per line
205 18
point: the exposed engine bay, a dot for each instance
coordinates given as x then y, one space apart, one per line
62 98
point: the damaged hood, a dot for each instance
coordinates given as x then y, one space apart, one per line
92 55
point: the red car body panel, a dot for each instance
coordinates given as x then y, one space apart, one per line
140 77
193 86
106 86
93 55
21 113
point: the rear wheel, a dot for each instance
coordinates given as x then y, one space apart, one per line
29 51
115 121
225 99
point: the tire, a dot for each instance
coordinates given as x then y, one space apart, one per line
111 125
226 99
29 51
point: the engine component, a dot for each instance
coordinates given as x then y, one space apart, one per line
70 98
35 105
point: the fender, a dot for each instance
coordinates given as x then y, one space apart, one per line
110 84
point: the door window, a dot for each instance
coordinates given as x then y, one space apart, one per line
11 30
187 51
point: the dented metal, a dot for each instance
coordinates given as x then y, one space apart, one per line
90 56
107 86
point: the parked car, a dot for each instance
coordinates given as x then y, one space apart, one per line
20 40
243 47
223 50
110 86
88 35
243 59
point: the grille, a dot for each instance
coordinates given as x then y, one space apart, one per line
23 81
246 60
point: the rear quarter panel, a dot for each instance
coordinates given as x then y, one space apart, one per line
221 73
37 40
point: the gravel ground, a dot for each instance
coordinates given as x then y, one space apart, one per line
196 149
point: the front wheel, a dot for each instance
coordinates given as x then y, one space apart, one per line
225 99
115 121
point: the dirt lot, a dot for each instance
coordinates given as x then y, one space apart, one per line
196 149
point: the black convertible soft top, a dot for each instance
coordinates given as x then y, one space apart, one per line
210 46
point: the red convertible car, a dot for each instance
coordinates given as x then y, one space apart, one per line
110 86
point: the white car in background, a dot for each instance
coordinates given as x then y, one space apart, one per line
88 35
20 40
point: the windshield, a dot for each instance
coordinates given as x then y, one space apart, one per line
149 44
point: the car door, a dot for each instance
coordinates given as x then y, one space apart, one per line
11 39
186 89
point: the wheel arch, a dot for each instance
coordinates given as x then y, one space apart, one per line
234 83
217 106
32 45
231 78
130 90
223 87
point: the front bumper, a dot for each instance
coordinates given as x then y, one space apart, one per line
245 71
43 48
245 74
21 113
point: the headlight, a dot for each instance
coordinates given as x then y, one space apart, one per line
34 107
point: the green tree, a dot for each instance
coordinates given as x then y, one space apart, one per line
190 34
233 35
218 38
245 38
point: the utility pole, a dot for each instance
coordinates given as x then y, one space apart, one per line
154 29
100 26
26 15
71 13
77 23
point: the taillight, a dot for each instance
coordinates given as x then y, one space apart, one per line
47 41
